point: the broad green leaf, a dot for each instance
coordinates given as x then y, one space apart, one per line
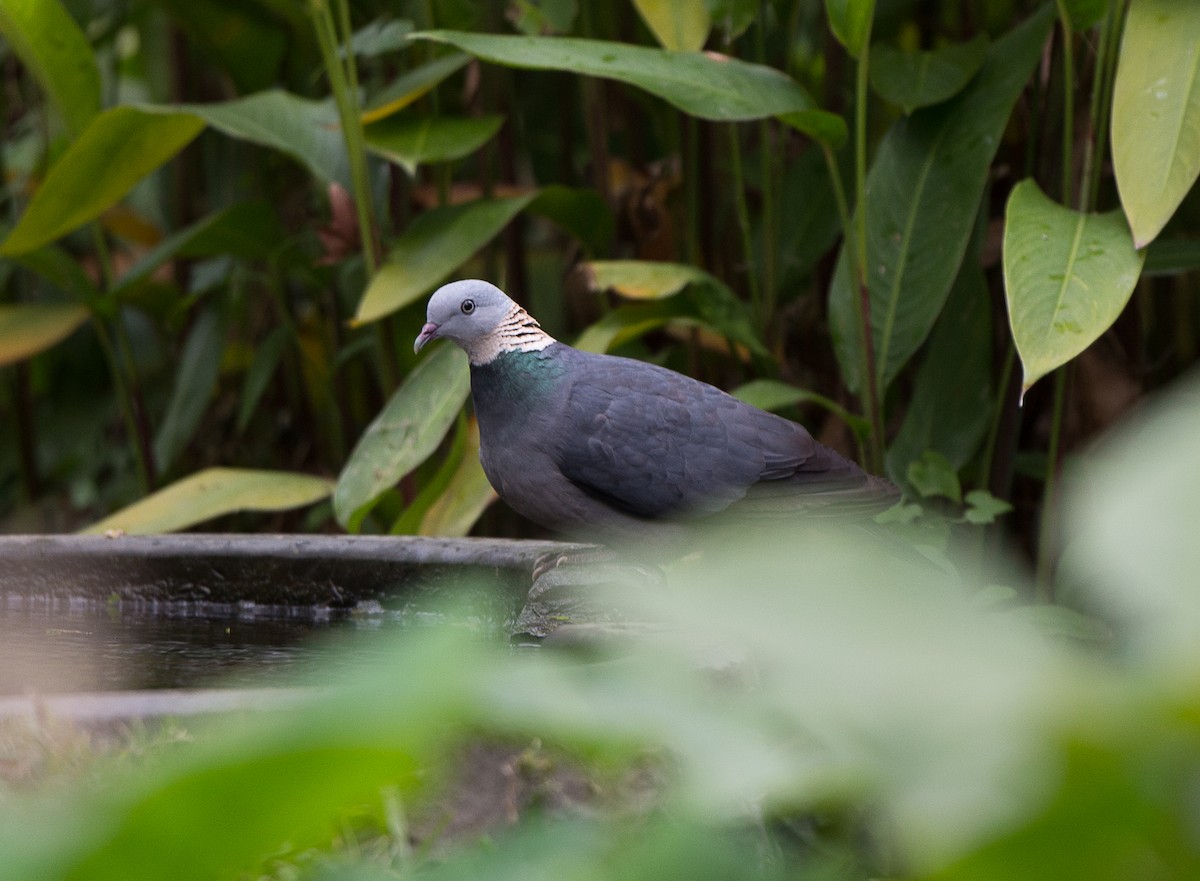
248 229
952 389
57 53
403 435
115 151
923 194
412 85
918 79
771 394
1085 13
1067 276
623 324
195 379
434 245
680 25
642 279
1156 112
820 125
308 131
419 140
29 328
850 21
704 85
245 44
582 213
215 492
465 497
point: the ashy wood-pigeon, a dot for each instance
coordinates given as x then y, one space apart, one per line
613 449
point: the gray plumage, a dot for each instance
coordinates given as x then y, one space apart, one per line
610 448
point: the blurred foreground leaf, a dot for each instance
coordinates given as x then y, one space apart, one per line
211 493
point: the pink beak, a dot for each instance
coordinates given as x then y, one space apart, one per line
428 332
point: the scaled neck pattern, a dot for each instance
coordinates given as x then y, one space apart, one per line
518 332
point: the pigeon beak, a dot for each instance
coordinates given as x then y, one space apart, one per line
428 332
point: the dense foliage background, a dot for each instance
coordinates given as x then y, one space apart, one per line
224 219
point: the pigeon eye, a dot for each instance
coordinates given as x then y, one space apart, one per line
467 307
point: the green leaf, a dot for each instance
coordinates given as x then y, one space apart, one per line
29 328
1156 112
919 79
923 193
266 359
733 17
118 148
820 125
582 213
380 37
57 53
952 389
404 434
933 475
412 85
414 141
1085 13
433 246
679 25
465 497
62 270
248 229
1067 276
771 394
984 508
308 131
850 21
214 492
1171 257
195 380
707 86
642 279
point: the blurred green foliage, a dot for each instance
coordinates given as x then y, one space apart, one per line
223 219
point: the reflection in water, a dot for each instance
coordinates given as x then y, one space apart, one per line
99 649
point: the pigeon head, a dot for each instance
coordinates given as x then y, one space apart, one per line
479 318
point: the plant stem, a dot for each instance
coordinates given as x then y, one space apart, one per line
1068 135
769 231
1102 86
1049 532
691 184
743 218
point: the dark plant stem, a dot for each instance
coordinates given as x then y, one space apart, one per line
691 184
743 219
22 404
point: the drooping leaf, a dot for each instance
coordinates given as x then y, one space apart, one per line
434 245
679 25
308 131
625 323
465 497
215 492
952 389
582 213
1156 112
820 125
642 279
117 149
704 85
195 379
1067 276
55 50
850 21
412 85
408 429
918 79
923 193
29 328
419 140
772 394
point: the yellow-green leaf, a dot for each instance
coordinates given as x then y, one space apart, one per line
211 493
1156 112
118 148
465 497
57 53
29 328
642 279
1067 276
434 245
410 86
682 25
